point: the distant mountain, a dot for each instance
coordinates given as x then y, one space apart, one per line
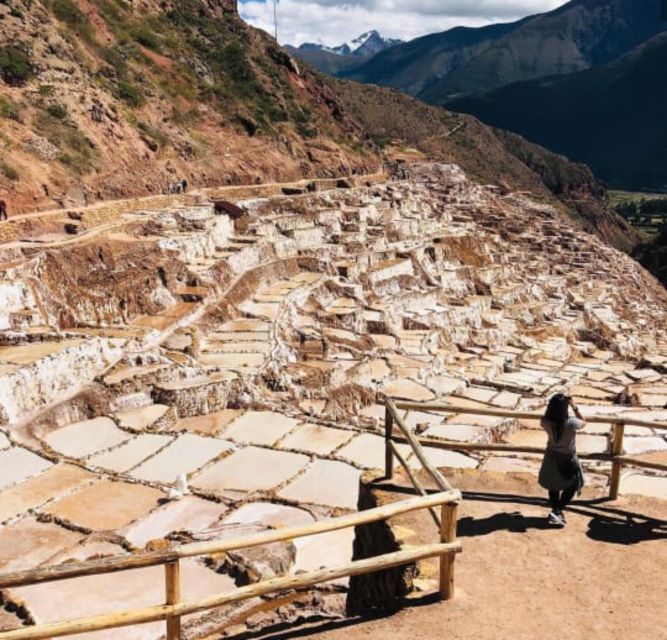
612 118
579 35
335 60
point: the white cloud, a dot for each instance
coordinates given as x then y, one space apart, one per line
333 21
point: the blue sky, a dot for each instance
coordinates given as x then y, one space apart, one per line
333 22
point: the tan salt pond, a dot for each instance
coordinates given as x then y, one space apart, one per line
186 454
210 424
82 439
187 514
409 390
37 490
367 450
278 516
142 417
29 353
251 469
316 439
245 325
117 592
106 505
643 485
232 360
25 544
442 458
328 483
17 464
131 453
260 427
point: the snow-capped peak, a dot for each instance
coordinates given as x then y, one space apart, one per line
366 44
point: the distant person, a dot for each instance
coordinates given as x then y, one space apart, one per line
3 210
561 474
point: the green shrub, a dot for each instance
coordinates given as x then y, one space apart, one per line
58 111
129 93
9 172
46 90
9 109
68 12
15 66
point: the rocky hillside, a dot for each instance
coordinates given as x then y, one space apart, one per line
117 98
579 35
489 155
611 117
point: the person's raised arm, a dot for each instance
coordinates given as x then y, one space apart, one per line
576 411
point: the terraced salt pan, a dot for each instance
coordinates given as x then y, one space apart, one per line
188 514
211 424
643 485
106 505
534 438
311 554
251 469
128 373
326 482
443 458
367 450
29 353
316 439
17 464
117 592
36 491
232 360
459 432
408 390
25 544
82 439
260 427
638 445
186 454
142 417
278 516
131 453
245 325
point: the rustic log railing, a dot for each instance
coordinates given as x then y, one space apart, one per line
174 607
617 459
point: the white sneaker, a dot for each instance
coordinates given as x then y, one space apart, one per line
556 520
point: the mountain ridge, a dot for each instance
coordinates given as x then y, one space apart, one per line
610 117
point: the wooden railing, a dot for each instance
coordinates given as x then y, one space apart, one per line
174 607
617 459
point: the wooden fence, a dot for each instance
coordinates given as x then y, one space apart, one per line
616 457
174 607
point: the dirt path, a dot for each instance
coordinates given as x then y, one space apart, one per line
600 577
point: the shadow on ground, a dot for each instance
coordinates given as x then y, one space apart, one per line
607 524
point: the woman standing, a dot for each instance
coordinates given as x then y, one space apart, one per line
561 474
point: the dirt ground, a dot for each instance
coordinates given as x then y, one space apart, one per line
603 576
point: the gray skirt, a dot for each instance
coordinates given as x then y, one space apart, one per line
561 471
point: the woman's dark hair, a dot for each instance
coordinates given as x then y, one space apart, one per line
557 414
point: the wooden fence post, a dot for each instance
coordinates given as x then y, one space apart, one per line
616 465
388 451
173 589
447 534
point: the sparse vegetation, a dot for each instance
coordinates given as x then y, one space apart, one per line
9 172
58 111
129 93
9 109
15 66
68 12
76 150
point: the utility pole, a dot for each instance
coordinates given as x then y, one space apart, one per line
275 17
